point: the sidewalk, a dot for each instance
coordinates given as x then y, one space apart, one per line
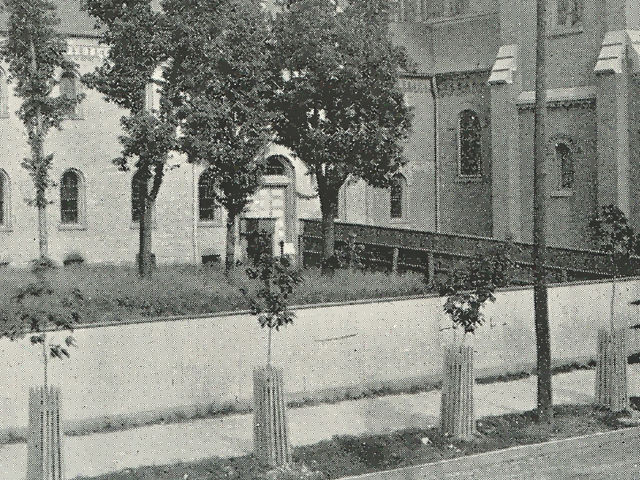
231 435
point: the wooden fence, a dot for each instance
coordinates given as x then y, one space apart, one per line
396 249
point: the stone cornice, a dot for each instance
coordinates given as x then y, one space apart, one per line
414 85
462 83
79 49
561 98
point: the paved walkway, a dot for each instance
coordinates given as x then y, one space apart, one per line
231 435
611 455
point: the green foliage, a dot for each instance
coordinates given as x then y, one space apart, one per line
139 45
611 232
36 308
337 102
277 282
218 82
346 256
34 52
469 286
258 244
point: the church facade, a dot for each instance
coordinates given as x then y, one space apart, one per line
93 212
470 168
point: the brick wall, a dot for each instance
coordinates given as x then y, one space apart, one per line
107 234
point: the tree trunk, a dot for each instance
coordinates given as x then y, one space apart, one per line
230 249
40 169
328 206
328 235
146 226
540 296
43 236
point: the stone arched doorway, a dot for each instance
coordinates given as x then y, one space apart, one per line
273 208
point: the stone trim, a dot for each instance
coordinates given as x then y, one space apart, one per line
505 65
462 83
561 97
617 47
80 49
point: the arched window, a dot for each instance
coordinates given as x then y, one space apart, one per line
569 12
4 199
275 166
4 95
70 197
469 144
564 158
397 191
207 205
70 88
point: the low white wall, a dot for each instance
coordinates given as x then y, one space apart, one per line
119 372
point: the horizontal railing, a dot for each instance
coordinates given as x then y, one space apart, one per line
397 249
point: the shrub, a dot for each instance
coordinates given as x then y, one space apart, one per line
258 244
73 258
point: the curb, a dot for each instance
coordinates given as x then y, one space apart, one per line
507 454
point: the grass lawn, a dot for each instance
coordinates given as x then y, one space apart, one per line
116 293
350 455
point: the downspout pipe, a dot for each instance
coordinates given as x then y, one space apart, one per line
436 152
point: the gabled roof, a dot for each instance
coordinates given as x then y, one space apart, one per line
73 21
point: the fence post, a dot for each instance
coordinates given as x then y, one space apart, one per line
394 263
300 251
431 268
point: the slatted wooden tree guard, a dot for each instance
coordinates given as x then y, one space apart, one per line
44 444
611 370
457 416
271 434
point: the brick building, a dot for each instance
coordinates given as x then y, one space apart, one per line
470 156
92 211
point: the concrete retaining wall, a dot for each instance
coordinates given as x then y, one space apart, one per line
142 371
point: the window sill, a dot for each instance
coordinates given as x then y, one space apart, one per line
456 17
562 31
71 226
6 228
209 223
564 193
399 221
469 179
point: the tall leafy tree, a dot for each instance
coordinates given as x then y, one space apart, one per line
337 101
35 53
219 83
136 35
